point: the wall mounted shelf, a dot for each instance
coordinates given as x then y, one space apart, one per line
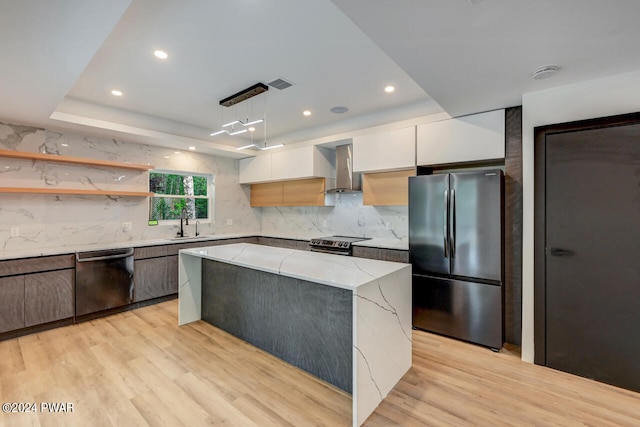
73 160
77 161
31 190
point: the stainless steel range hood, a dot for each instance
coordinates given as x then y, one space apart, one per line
346 180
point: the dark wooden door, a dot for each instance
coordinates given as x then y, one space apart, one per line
592 253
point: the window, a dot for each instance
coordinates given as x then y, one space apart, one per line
175 191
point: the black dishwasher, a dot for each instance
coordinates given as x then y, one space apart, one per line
104 280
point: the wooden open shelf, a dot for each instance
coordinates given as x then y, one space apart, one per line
32 190
72 160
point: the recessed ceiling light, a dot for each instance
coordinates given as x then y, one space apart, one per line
192 148
306 112
252 129
166 157
160 54
544 72
177 152
339 109
116 92
389 89
64 144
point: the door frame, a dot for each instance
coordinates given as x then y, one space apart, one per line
539 216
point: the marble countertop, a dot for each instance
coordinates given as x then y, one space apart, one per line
71 249
333 270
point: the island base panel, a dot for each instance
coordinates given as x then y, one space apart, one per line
303 323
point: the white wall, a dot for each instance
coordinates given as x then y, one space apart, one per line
347 218
614 95
64 220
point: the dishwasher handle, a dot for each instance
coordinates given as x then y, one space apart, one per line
103 255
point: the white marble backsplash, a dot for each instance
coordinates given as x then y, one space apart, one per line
65 220
347 218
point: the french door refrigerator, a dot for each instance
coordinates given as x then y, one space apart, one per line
456 251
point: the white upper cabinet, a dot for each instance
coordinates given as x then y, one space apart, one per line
384 151
463 139
255 169
305 162
299 163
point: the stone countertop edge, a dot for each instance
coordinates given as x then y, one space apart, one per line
381 243
327 269
72 249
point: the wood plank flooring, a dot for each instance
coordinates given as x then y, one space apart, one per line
140 369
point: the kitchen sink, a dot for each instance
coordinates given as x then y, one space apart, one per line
190 238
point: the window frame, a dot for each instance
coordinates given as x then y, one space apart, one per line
210 195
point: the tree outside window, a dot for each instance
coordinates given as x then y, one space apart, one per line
174 191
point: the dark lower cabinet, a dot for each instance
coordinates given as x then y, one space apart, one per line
11 303
34 299
154 278
395 255
40 290
48 297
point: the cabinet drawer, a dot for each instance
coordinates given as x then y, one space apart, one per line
34 265
48 297
151 279
395 255
150 252
11 303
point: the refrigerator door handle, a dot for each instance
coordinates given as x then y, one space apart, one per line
452 249
445 210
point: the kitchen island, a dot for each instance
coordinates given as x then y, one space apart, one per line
346 320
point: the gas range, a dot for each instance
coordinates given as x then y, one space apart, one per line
338 245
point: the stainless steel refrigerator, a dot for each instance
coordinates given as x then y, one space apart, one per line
456 250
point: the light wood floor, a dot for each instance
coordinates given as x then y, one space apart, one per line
139 368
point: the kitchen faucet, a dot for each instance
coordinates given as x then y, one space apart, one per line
197 222
184 216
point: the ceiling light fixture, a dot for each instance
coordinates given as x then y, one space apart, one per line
192 148
306 113
544 72
231 123
389 89
237 98
339 110
116 92
160 54
239 126
261 148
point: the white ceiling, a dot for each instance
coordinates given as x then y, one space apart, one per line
61 59
477 55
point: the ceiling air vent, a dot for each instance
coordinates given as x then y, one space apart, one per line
280 84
